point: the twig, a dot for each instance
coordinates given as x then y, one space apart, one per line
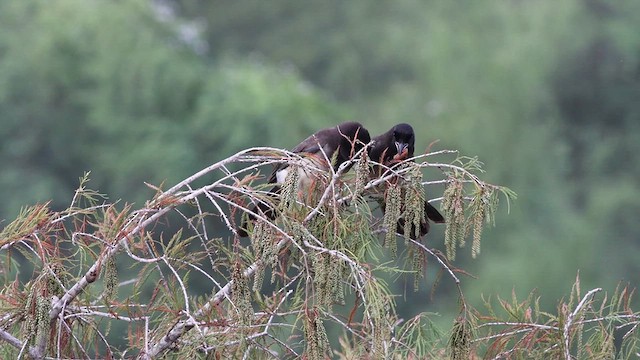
13 341
571 317
185 325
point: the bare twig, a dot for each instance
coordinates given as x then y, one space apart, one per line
566 333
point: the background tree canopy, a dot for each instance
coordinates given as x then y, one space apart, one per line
544 92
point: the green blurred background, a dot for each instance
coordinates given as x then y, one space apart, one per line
546 93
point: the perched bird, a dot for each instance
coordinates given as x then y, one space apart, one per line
395 145
338 144
389 148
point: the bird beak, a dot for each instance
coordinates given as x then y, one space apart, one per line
400 146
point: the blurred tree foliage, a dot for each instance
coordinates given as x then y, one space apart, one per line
112 89
596 89
544 92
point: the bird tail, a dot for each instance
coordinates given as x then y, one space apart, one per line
432 213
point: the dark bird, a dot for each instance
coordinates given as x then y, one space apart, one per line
338 144
394 146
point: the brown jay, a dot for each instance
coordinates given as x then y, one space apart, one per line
338 144
389 148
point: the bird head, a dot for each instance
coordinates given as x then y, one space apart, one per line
403 138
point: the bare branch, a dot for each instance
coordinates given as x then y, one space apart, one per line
569 322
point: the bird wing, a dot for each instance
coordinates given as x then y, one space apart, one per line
310 146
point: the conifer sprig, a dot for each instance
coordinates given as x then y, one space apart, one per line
196 293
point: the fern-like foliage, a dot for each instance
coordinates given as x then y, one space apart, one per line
587 325
469 204
165 276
